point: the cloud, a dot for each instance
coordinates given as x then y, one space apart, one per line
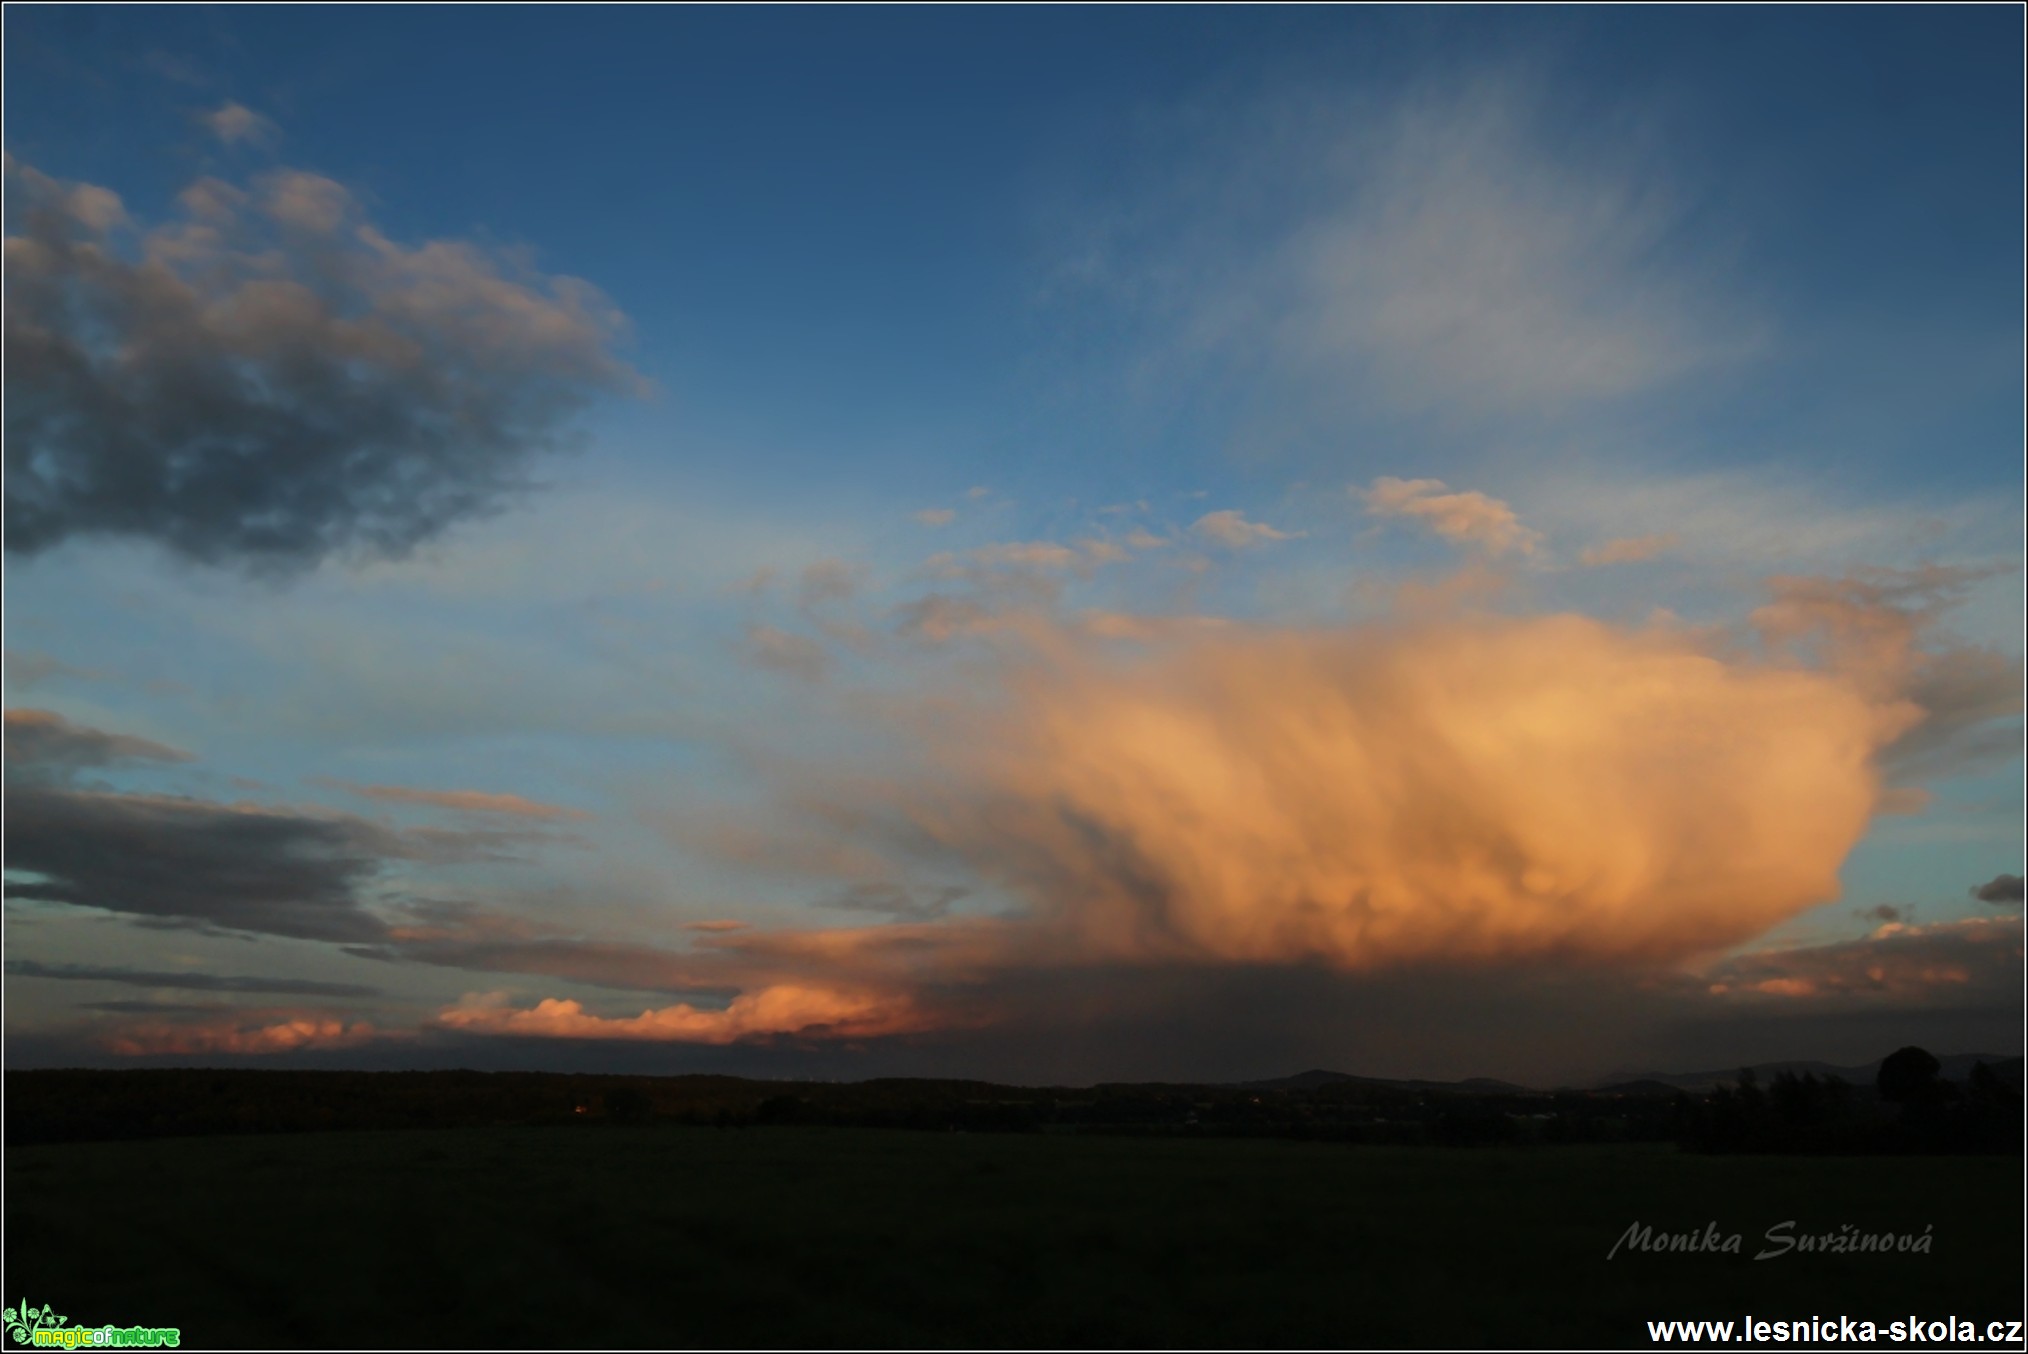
1875 626
2001 889
1228 528
1469 518
186 861
715 927
240 1035
26 668
42 742
1468 246
786 1010
232 866
466 801
828 580
935 517
270 380
778 650
1442 788
184 981
1629 550
1477 258
898 901
233 123
1978 958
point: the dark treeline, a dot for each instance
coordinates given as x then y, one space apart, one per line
81 1105
1912 1110
1909 1108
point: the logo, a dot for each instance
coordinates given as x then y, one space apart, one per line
44 1328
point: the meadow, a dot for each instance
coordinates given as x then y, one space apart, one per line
605 1235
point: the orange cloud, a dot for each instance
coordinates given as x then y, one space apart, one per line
1230 529
467 801
237 1035
783 1009
1897 962
1475 789
1629 549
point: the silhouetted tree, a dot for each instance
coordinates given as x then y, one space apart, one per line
1908 1077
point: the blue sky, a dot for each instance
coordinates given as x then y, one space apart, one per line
927 353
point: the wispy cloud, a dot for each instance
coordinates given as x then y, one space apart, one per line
1629 549
465 801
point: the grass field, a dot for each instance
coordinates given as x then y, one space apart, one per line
663 1236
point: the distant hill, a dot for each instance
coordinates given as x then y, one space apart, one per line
1316 1077
1956 1067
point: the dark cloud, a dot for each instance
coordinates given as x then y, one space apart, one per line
1883 913
898 902
270 380
1942 963
188 982
44 743
461 936
2001 889
233 867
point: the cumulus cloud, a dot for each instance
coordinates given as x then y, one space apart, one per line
1629 549
270 380
2001 889
1443 792
1230 528
786 1010
234 123
1467 518
241 1035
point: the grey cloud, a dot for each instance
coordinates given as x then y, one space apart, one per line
42 742
269 380
2001 889
188 982
779 650
899 902
188 860
29 668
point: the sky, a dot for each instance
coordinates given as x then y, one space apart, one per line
1045 545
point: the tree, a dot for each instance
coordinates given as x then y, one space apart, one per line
1908 1077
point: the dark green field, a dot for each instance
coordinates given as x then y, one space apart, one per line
602 1236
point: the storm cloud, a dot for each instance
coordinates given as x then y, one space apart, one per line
269 380
186 982
2001 889
235 867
